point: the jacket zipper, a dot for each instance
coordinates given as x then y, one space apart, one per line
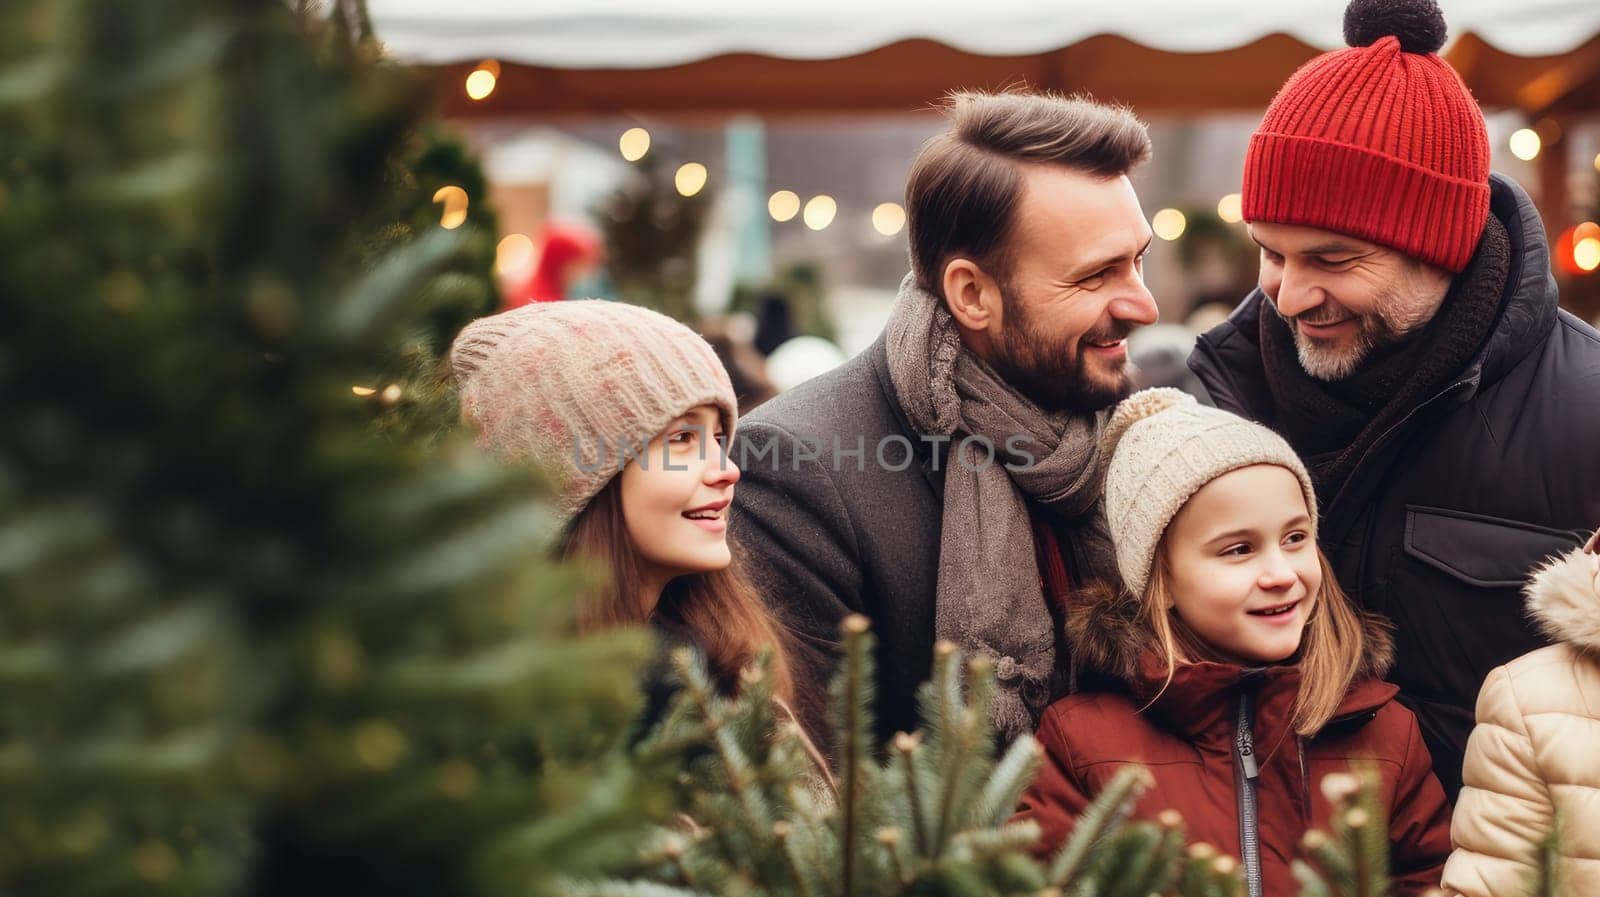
1305 779
1245 775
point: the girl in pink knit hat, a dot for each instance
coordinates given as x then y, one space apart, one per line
633 412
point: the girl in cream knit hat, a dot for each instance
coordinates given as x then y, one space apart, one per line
633 411
1231 666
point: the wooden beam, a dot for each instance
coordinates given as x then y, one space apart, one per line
1575 71
909 76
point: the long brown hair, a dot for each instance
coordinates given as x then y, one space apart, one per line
1331 648
720 609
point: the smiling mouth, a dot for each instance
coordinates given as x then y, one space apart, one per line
714 511
1324 325
1274 611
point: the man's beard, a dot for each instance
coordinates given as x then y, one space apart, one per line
1053 372
1328 361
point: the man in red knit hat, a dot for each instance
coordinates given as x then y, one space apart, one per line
1406 340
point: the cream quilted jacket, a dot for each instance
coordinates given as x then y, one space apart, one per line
1535 753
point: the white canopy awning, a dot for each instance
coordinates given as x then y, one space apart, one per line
640 34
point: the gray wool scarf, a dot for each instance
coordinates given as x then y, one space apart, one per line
989 599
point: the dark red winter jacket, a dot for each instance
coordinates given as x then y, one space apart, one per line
1192 742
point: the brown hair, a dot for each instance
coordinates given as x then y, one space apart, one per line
966 182
721 611
1331 648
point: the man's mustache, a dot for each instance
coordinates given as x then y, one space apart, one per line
1110 334
1316 317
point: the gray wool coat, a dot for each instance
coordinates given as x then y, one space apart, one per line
826 533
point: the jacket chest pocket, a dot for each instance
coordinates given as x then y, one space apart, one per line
1486 552
1454 594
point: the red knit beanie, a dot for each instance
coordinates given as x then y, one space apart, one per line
1381 141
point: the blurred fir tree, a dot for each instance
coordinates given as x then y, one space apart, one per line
652 235
246 645
800 287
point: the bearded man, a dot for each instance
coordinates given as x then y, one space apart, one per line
946 482
1406 340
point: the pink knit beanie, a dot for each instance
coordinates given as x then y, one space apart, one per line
568 384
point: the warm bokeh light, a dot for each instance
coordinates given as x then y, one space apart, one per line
634 144
783 205
1574 249
1587 254
888 218
820 211
1525 144
480 84
691 178
513 255
455 206
1169 224
1231 208
362 391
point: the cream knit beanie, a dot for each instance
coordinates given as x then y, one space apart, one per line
569 384
1165 447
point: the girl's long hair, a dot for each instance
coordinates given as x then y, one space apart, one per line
1331 647
723 614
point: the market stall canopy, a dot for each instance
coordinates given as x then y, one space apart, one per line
604 57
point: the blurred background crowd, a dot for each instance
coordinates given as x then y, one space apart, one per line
740 166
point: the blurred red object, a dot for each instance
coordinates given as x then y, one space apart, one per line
566 252
1566 249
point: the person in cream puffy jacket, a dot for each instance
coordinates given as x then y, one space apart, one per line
1534 756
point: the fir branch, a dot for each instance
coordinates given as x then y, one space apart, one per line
734 765
1010 777
852 711
1102 817
1546 879
906 747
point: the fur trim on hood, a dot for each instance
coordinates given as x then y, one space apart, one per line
1107 637
1562 600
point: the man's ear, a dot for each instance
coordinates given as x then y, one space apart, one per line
972 296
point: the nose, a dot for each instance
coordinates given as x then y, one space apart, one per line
1277 573
720 471
1294 295
1136 306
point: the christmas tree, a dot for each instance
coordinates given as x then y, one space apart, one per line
248 644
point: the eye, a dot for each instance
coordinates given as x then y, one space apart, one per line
1271 256
1096 280
1237 551
1296 538
681 437
1334 263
